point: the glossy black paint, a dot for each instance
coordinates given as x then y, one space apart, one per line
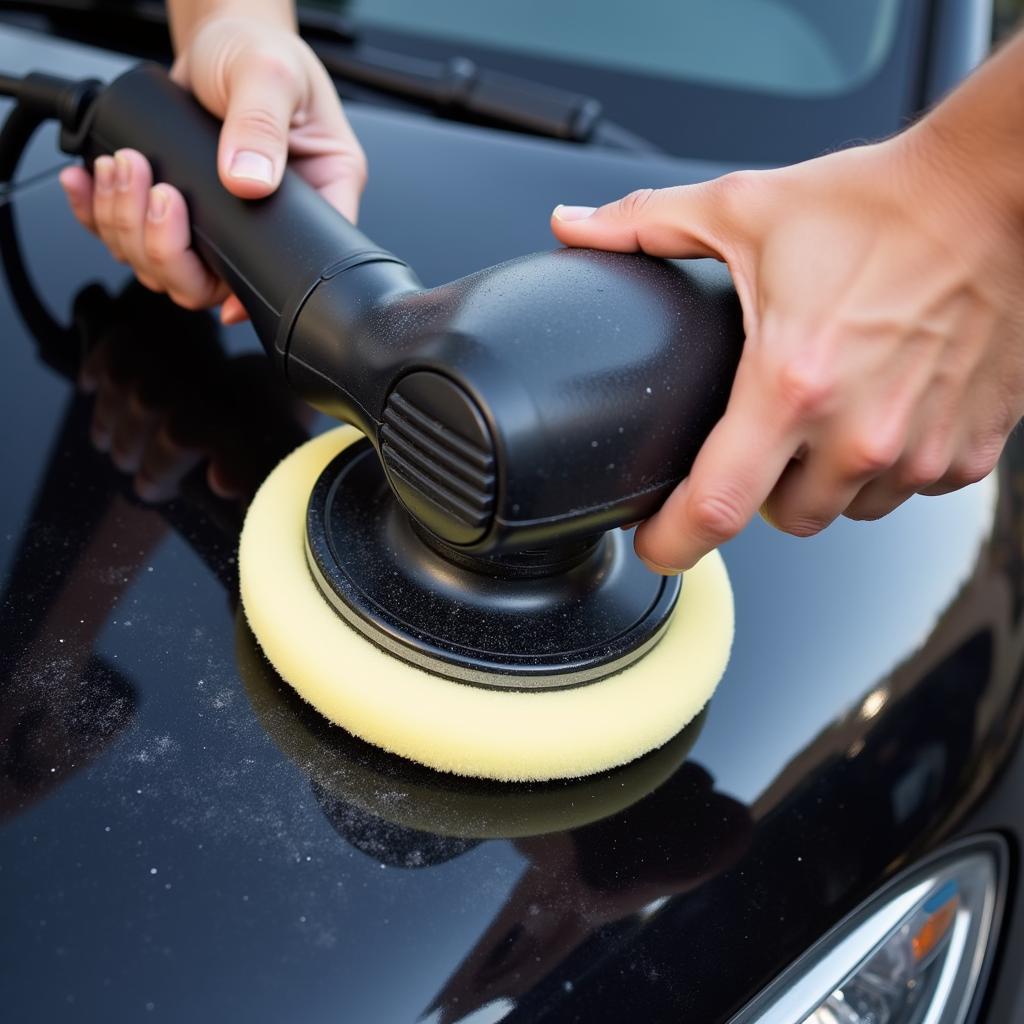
165 854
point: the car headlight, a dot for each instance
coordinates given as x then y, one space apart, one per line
913 954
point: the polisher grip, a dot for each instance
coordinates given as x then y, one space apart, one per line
271 251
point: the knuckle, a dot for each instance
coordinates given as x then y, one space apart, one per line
733 188
352 167
273 67
125 220
923 469
633 205
260 124
360 168
871 453
717 515
973 467
155 252
806 390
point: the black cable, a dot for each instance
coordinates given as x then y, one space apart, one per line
17 130
10 85
58 345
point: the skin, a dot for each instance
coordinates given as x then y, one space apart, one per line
246 64
884 318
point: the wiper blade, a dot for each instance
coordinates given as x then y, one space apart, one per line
457 87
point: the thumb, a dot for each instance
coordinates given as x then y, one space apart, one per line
263 95
688 220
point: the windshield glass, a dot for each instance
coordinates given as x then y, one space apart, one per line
785 47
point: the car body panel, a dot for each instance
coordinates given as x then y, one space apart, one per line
180 838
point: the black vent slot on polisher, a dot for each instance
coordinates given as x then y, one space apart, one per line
439 456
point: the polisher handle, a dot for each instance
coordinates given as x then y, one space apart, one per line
271 251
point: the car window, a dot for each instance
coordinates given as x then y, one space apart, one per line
785 47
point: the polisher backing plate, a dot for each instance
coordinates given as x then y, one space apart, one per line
506 735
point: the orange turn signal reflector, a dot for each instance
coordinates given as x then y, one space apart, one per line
930 934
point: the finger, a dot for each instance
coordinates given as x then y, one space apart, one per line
77 185
918 471
263 94
133 179
103 197
325 150
130 433
220 480
689 220
925 461
233 312
971 464
816 490
106 412
735 470
166 242
338 177
94 369
164 464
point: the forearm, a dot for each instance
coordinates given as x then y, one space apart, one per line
976 135
186 15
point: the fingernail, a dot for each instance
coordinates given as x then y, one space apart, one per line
104 172
157 204
573 212
122 170
661 570
65 177
252 166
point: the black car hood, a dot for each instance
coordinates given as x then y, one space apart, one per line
180 838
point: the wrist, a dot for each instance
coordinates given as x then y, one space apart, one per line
964 174
974 139
186 19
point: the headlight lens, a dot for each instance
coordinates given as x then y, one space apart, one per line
912 955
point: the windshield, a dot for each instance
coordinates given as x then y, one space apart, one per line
784 47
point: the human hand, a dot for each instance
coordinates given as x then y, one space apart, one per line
884 322
167 399
279 106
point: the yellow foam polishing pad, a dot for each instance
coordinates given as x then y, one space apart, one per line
506 735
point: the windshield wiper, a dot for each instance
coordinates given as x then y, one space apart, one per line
456 88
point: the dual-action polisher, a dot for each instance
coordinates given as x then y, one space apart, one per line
453 585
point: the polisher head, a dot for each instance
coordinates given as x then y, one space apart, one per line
535 620
494 671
